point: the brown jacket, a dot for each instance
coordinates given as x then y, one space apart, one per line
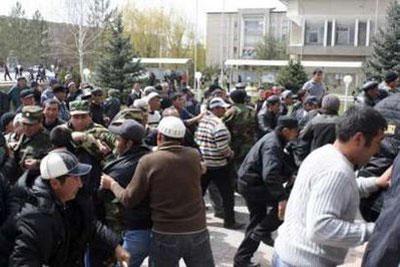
171 177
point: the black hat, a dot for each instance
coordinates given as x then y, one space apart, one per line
26 93
391 76
238 96
287 122
129 129
369 85
273 99
5 119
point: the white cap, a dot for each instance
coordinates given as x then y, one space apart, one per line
172 127
140 103
60 163
217 102
151 96
148 89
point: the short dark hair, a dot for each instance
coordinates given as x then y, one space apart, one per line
365 120
317 71
60 136
175 96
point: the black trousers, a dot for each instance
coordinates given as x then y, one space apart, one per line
223 180
263 221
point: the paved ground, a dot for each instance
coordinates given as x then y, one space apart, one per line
225 242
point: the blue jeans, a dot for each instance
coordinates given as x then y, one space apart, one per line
137 243
277 262
168 249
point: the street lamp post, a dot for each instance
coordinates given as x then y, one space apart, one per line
347 81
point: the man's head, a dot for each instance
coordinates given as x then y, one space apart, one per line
287 97
310 103
371 89
238 96
71 87
60 92
6 122
330 104
63 172
51 108
80 117
360 131
153 101
61 137
170 129
32 117
218 106
171 111
391 79
21 82
178 101
129 133
27 97
97 96
318 75
273 104
288 128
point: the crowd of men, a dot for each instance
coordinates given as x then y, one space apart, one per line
89 180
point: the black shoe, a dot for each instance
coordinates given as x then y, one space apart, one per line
234 226
268 241
219 215
247 264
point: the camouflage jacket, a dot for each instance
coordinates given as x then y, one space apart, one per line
241 123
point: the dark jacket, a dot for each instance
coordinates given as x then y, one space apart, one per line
51 126
122 169
321 130
4 103
390 147
111 107
365 100
97 113
265 169
75 225
384 245
266 122
4 198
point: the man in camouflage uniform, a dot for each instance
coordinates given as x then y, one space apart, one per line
34 143
239 119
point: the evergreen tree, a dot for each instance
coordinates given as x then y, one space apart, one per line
292 76
386 45
116 69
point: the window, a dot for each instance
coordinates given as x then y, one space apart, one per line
314 33
362 33
253 35
345 33
329 34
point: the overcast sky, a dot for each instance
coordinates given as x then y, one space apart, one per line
52 9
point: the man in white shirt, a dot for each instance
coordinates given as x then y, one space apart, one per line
319 225
153 113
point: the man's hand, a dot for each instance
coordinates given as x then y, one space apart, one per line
384 180
104 148
281 209
31 164
78 136
122 256
106 181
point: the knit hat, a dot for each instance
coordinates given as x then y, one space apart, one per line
172 127
331 103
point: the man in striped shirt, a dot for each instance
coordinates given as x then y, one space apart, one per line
213 139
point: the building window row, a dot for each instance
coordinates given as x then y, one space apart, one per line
337 33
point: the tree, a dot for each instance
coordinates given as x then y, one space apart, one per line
386 45
115 69
292 76
270 48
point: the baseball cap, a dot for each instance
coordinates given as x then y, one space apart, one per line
151 96
172 127
217 102
60 163
129 129
286 94
369 85
79 107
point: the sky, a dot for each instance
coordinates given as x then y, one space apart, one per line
52 9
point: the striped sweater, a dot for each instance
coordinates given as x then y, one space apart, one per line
213 138
319 224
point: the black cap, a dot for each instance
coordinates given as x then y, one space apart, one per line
129 129
287 122
369 85
273 99
391 76
26 93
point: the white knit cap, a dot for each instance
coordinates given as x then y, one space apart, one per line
172 127
151 96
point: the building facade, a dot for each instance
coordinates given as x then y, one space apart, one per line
235 35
